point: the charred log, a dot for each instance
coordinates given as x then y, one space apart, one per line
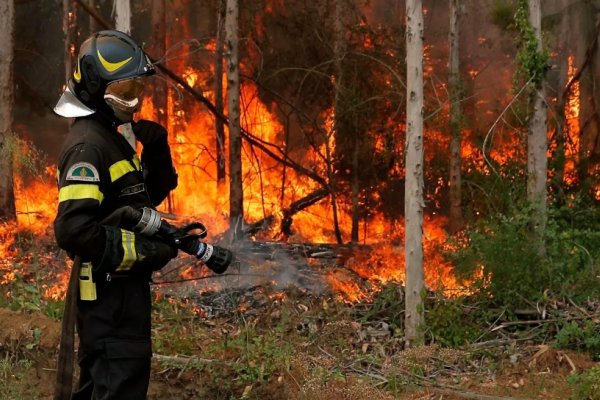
288 214
302 250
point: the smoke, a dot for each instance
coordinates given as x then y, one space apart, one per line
255 264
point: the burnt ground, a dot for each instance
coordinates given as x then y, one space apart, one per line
335 359
281 338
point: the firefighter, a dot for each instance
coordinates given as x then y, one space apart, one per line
99 172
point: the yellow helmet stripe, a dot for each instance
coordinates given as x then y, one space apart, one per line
77 73
80 192
129 254
110 66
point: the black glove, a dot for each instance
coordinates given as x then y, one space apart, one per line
150 133
151 254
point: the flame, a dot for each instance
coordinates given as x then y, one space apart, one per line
572 126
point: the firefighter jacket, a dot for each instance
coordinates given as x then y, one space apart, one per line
98 172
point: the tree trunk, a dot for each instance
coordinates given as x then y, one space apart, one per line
413 203
537 143
355 193
93 25
70 35
7 197
219 125
236 205
122 11
158 49
456 216
339 48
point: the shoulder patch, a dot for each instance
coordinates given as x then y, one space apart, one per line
83 171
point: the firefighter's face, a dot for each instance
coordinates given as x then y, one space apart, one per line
124 97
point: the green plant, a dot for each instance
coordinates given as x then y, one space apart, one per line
449 325
503 13
586 386
581 336
512 270
13 371
532 62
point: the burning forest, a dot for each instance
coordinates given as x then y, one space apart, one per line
318 204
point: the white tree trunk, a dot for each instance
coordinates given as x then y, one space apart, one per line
413 203
7 20
236 210
122 11
537 143
454 83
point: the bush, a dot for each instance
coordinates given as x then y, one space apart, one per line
514 270
580 336
586 386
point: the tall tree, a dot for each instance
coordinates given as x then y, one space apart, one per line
537 139
454 85
219 125
413 201
7 21
158 50
340 114
70 35
236 194
122 11
93 24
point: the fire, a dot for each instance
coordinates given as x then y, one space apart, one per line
572 126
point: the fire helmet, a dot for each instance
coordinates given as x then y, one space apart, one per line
107 77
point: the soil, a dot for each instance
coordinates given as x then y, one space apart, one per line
529 372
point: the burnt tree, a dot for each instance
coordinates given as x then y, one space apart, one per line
454 86
236 194
7 197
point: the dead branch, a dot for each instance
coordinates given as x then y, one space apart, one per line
304 250
543 321
288 213
448 391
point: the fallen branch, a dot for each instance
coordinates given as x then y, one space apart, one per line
448 391
288 213
305 250
543 321
185 360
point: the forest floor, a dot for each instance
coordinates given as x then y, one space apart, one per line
267 342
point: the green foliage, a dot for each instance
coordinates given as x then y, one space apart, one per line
387 305
13 372
502 14
258 357
586 386
580 336
450 325
28 295
28 160
533 63
514 270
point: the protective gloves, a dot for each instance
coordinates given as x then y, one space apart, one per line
150 134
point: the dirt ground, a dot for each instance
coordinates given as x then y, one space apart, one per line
530 372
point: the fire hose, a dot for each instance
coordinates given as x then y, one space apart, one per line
147 222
